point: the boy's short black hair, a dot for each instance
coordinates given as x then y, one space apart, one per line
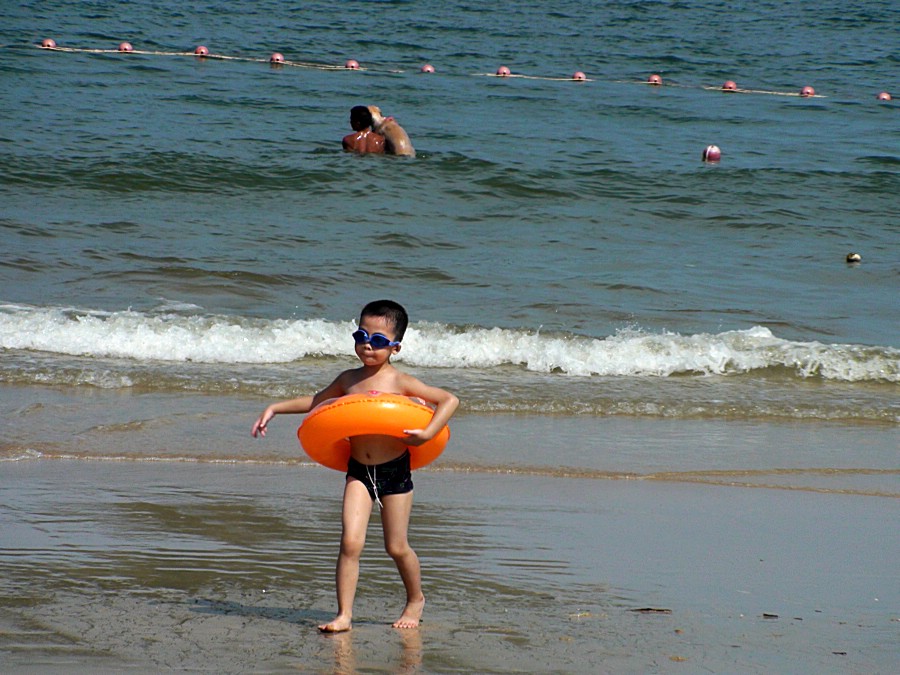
360 116
390 310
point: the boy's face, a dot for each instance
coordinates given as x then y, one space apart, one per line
365 352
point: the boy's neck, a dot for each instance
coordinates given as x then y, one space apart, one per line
373 378
374 370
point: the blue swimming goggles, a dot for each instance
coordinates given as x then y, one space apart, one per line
377 340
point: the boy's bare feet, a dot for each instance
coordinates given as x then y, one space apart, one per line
339 625
412 614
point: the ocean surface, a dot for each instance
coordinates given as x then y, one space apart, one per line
186 226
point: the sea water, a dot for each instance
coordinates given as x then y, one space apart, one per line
188 226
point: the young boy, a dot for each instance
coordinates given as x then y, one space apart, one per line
376 459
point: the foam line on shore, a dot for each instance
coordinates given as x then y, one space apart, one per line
740 478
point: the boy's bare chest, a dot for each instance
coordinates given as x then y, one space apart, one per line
383 383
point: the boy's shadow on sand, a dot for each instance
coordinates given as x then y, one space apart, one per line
226 608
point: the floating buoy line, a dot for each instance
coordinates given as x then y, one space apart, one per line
278 59
201 52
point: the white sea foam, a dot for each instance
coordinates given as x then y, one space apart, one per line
168 337
635 353
222 339
17 455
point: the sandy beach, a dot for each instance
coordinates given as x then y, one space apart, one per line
150 533
194 566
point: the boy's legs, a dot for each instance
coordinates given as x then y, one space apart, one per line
395 523
356 511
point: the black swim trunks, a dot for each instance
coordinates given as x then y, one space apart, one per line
390 478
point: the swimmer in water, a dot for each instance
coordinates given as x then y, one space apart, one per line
363 139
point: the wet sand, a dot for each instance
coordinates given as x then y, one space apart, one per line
162 565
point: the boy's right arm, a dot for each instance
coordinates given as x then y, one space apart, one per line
303 404
294 405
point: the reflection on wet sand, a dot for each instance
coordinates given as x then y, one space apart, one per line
348 662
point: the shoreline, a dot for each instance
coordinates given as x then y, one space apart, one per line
793 479
110 425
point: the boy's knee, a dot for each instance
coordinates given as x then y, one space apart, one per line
352 547
397 549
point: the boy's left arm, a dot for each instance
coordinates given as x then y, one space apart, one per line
445 405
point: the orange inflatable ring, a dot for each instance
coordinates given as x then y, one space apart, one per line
326 430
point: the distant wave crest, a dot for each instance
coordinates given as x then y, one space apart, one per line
184 336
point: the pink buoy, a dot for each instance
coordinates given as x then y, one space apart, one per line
277 57
352 64
711 153
428 68
48 44
884 96
730 85
807 91
126 47
655 80
503 71
201 51
578 76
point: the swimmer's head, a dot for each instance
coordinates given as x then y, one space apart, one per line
360 117
390 311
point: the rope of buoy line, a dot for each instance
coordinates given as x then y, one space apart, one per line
503 72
